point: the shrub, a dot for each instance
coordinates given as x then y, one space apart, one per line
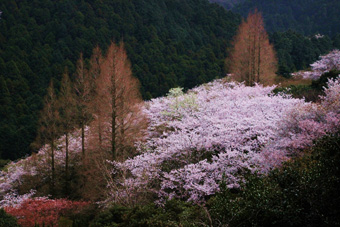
303 192
42 211
174 213
7 220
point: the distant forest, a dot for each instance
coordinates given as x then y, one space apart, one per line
304 16
170 43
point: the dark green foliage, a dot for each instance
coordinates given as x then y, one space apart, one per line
170 43
311 93
3 163
228 4
7 220
174 213
306 16
80 219
321 83
296 52
301 91
303 192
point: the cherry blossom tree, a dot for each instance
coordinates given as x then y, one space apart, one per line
200 137
328 62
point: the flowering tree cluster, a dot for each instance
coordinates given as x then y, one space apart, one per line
43 211
328 62
216 132
308 122
213 133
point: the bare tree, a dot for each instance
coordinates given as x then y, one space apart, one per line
253 58
120 103
118 120
49 128
67 110
84 89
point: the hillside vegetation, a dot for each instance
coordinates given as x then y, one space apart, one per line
304 16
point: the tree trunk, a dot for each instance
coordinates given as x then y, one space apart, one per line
52 189
83 140
114 117
66 158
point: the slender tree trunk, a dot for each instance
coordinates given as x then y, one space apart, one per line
66 158
122 129
253 60
52 189
259 62
67 175
249 62
83 140
100 132
114 117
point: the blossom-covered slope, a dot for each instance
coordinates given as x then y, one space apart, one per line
328 62
213 133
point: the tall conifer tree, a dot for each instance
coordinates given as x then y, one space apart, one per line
253 58
49 128
67 110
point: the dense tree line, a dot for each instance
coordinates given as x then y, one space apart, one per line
296 52
304 16
228 4
292 26
170 43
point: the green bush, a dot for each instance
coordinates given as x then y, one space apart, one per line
303 192
322 81
3 163
83 218
7 220
301 91
174 213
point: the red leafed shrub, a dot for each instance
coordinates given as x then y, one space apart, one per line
43 211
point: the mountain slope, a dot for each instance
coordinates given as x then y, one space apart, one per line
228 4
304 16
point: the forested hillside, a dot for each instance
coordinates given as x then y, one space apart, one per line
293 27
296 52
170 43
304 16
228 4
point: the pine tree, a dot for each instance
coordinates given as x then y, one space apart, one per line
253 58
